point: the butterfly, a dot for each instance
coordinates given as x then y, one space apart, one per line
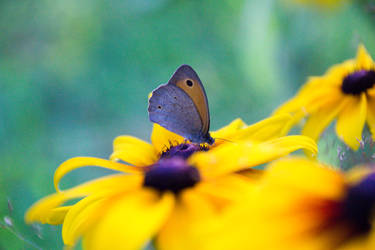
181 106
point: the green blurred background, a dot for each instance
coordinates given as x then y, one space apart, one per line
76 74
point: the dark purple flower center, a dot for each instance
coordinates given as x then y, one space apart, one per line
358 82
353 215
359 204
184 150
171 174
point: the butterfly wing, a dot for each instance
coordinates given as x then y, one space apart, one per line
173 109
186 79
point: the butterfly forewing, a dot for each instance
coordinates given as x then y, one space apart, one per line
188 81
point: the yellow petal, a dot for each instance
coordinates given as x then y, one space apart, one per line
130 221
229 130
294 106
193 221
300 174
237 156
272 127
79 162
286 212
364 60
57 215
162 138
362 242
301 142
44 210
134 151
292 143
371 92
310 96
338 72
227 189
311 103
351 121
318 121
371 116
82 215
357 173
252 174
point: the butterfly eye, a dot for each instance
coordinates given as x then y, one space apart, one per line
189 83
159 107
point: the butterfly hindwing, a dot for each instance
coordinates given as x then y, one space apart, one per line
173 109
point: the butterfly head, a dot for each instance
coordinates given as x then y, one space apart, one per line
204 138
208 138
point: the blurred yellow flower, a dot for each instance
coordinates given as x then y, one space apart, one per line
171 191
321 3
345 92
301 204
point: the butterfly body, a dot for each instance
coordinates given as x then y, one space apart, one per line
181 106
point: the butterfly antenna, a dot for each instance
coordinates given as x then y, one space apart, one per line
226 140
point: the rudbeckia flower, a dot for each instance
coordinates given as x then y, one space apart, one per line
301 204
346 93
170 191
321 3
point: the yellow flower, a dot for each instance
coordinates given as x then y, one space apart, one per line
345 92
321 3
301 204
171 191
